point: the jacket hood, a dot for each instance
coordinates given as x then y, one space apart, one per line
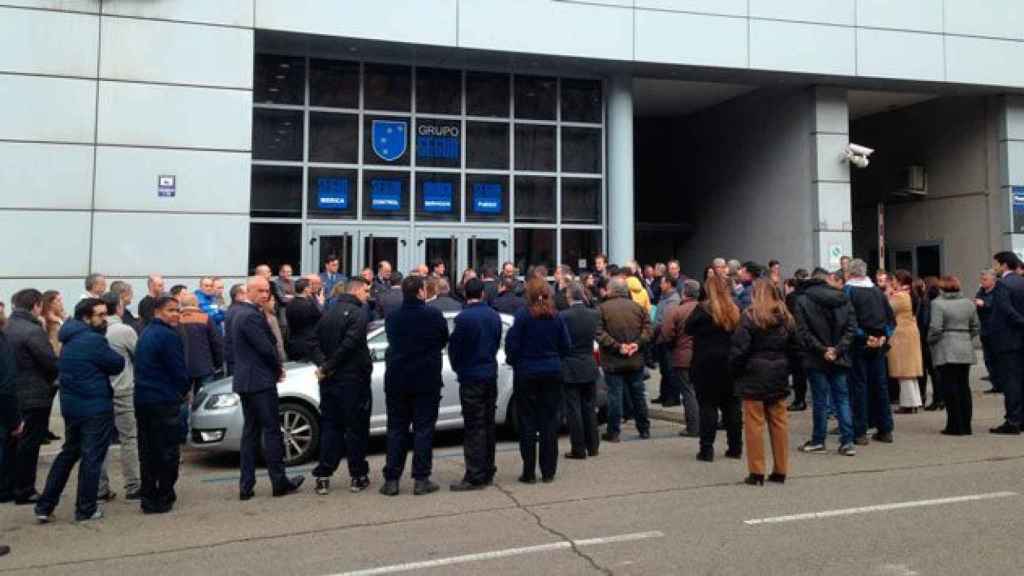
824 295
634 284
71 329
951 295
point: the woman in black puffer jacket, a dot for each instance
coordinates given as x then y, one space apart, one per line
764 350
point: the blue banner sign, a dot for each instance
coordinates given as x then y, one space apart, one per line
437 196
1017 193
487 198
386 194
332 193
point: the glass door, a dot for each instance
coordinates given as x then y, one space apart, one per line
330 241
383 244
433 246
461 249
357 248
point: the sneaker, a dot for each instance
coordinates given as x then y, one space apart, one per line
1007 429
97 515
861 441
812 448
847 450
359 484
43 517
323 486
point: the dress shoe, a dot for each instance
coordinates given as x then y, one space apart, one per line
645 434
547 479
466 486
161 509
390 488
423 487
861 441
754 480
777 478
1007 429
4 550
575 456
528 479
657 401
291 487
689 434
609 437
883 437
706 456
246 495
25 500
671 403
797 407
734 454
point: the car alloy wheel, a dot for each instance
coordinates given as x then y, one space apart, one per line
301 432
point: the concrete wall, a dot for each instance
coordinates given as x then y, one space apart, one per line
97 101
956 140
934 40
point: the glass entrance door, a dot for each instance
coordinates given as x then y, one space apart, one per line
439 248
357 248
461 249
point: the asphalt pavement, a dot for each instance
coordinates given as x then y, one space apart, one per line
927 504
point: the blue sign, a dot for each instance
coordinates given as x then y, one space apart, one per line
332 193
389 139
437 196
166 186
438 148
487 198
386 194
1017 199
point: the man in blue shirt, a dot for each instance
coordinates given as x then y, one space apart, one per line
161 385
330 276
472 351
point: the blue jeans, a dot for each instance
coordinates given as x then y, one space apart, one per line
868 380
829 388
619 385
85 439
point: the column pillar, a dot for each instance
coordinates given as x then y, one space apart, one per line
621 220
830 184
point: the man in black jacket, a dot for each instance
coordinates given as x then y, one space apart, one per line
580 374
257 372
303 315
417 335
869 386
237 295
507 302
826 325
37 374
345 395
472 351
391 299
11 426
1006 334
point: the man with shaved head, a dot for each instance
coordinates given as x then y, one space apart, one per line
258 369
155 286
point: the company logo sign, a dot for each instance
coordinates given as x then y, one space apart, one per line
487 198
332 193
439 142
386 195
389 139
437 197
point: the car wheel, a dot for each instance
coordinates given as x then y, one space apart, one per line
301 430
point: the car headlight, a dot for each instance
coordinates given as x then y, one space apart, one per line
218 401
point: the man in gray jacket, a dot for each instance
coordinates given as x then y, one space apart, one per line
122 338
668 391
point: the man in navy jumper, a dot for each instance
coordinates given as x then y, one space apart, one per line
161 385
472 351
87 403
417 335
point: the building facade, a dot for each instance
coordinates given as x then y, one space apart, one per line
193 137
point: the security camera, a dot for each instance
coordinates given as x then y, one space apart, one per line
858 155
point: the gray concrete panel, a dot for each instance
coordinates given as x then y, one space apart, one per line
923 15
47 109
45 175
45 42
225 12
691 39
47 243
796 47
904 55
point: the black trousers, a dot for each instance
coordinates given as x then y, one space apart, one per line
1010 375
159 454
712 397
417 409
344 428
668 390
479 402
538 402
262 420
26 460
930 371
8 450
581 416
799 384
956 385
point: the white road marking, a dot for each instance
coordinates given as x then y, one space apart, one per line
879 508
495 554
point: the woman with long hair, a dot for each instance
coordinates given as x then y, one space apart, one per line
906 363
764 349
535 346
53 316
711 325
954 324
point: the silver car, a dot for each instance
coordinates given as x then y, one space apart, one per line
217 412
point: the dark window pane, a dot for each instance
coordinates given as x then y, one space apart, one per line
331 193
579 248
535 148
581 150
535 199
534 247
536 97
276 192
386 195
388 87
333 137
439 143
487 145
487 94
276 134
581 101
438 91
386 140
274 245
333 83
581 200
279 80
438 196
486 198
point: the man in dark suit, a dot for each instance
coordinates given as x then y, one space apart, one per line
580 373
257 372
331 276
303 315
391 299
507 302
1006 333
417 334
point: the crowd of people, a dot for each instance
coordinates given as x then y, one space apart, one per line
730 348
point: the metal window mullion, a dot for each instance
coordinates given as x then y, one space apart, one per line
305 165
512 149
360 158
604 170
558 171
413 205
464 140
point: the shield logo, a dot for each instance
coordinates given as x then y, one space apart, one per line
389 139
